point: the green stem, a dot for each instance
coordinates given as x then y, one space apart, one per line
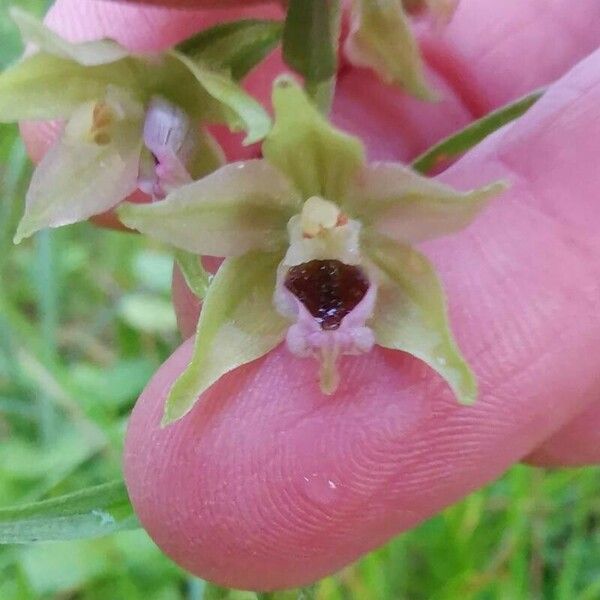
310 46
473 134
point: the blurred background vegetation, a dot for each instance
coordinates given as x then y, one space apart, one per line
85 319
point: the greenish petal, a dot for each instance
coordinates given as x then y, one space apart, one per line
400 203
88 54
411 314
235 107
79 177
381 39
242 206
44 86
238 324
317 157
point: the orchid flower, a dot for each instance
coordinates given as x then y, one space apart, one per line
132 121
318 247
381 38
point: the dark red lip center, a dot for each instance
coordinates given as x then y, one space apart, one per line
329 289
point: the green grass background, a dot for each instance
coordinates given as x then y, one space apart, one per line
85 319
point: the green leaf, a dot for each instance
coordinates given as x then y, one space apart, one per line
93 512
411 314
318 158
88 54
242 206
309 39
238 324
236 47
408 207
80 177
459 143
382 39
235 107
196 278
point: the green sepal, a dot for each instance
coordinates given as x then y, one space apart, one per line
383 40
235 107
237 325
241 207
235 47
196 277
411 315
79 178
208 156
317 157
44 86
404 205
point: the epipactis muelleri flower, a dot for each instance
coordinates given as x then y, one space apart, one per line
318 247
132 122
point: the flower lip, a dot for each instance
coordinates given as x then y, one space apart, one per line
171 140
328 289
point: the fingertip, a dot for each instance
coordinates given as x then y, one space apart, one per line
575 445
494 52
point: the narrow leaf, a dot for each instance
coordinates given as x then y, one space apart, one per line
411 314
242 206
381 38
92 512
79 178
236 47
318 158
408 207
459 143
309 40
238 324
88 54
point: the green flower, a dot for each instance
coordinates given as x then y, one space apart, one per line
319 253
131 121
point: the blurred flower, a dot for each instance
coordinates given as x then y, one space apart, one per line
381 38
131 121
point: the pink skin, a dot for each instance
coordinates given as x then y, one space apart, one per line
267 483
